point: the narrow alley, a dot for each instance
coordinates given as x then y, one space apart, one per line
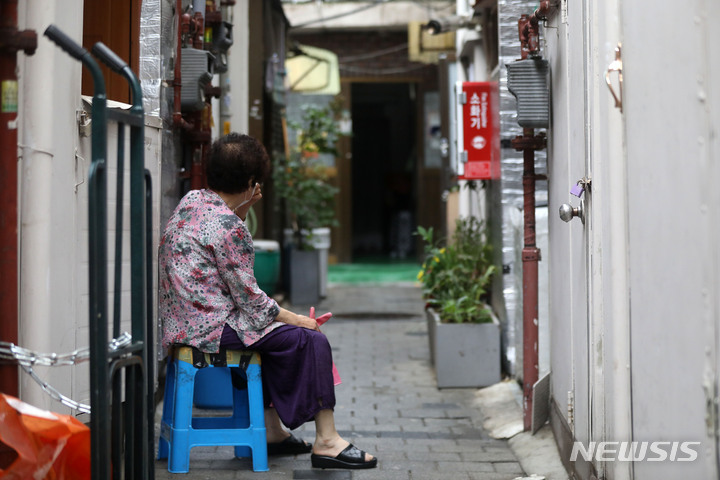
388 403
541 172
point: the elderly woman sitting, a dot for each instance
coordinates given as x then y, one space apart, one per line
209 299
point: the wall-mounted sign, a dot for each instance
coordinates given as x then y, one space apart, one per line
478 131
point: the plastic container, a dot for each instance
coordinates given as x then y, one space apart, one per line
267 264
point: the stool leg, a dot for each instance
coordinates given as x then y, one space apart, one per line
241 416
257 418
168 402
179 457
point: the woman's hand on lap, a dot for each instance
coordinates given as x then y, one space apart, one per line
307 322
291 318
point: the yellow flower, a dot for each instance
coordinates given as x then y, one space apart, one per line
420 274
310 146
436 259
442 250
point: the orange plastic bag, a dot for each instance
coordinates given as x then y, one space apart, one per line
48 445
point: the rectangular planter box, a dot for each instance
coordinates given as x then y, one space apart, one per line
464 354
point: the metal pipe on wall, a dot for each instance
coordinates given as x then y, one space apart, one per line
507 204
47 132
183 27
199 7
529 33
528 142
530 258
195 124
8 204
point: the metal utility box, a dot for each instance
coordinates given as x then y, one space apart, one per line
528 81
196 68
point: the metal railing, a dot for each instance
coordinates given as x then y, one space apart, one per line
121 381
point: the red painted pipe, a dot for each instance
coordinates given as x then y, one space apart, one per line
11 40
198 38
545 9
8 205
529 33
528 142
196 133
530 257
529 38
183 27
529 28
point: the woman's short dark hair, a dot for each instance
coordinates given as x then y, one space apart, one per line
236 160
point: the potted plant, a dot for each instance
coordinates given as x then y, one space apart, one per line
303 183
464 333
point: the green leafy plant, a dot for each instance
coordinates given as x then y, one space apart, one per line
318 130
456 275
302 182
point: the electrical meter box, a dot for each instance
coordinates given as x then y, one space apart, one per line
196 70
528 81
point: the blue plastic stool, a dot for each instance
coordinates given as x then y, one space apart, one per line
245 429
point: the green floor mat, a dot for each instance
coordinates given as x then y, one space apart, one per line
364 272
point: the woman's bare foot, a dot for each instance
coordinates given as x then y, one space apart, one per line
273 427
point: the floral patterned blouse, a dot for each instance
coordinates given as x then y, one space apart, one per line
206 277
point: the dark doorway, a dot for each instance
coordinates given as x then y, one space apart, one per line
383 170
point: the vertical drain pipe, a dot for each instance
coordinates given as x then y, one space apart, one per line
183 27
528 142
530 258
11 41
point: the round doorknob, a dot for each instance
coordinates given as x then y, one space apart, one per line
568 212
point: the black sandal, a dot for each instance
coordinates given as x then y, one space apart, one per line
290 446
351 458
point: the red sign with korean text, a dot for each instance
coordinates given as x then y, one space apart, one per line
479 138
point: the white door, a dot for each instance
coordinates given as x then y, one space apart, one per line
588 270
568 246
671 108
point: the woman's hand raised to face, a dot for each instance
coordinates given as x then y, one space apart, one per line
256 192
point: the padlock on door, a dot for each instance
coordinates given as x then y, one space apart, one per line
567 211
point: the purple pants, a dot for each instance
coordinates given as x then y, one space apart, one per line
296 371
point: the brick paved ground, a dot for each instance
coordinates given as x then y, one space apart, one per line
388 403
